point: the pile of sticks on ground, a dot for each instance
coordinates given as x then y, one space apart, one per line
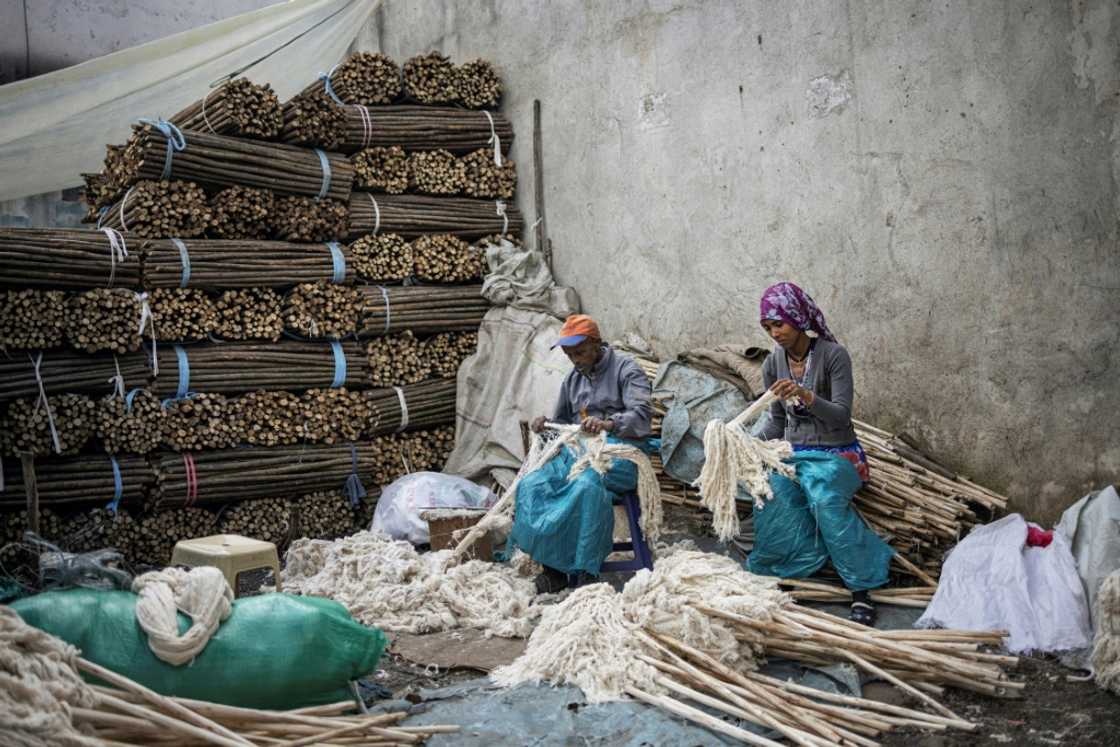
919 663
420 128
125 712
922 507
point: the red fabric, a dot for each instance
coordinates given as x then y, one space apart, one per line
1038 538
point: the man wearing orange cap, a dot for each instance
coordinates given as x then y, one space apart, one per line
567 526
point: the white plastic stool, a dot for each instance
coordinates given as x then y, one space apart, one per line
232 554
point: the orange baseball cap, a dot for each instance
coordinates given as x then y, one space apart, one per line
576 329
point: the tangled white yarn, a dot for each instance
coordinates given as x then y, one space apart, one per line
388 584
590 639
1106 649
38 685
585 641
732 456
202 594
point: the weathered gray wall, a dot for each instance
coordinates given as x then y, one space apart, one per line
941 177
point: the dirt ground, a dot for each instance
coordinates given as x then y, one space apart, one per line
1053 711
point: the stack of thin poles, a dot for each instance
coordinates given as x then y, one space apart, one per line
187 276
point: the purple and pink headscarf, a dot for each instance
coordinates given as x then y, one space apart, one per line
787 303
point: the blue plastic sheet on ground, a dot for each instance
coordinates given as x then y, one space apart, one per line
568 525
812 520
697 397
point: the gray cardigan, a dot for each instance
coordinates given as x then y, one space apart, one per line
829 420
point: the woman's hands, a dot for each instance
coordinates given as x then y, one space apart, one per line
538 424
788 389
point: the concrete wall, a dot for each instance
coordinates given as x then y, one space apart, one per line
942 178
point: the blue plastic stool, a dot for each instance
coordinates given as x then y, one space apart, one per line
643 558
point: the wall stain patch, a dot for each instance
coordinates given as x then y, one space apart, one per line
829 94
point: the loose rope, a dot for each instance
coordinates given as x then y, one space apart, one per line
202 593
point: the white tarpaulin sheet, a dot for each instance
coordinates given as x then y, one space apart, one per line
993 581
56 125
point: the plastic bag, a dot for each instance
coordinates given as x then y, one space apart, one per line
275 651
991 581
812 520
399 507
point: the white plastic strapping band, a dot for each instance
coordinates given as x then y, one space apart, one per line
146 319
494 140
500 207
404 409
36 361
118 251
376 215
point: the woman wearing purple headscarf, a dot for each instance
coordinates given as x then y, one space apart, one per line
811 520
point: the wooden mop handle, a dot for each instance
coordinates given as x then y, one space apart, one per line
756 408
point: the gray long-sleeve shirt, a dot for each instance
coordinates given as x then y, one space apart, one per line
828 422
616 390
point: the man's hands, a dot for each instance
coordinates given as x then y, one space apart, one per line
788 389
590 424
596 425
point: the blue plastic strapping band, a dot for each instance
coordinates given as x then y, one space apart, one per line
338 262
175 141
128 400
339 364
185 261
325 165
184 372
326 78
118 485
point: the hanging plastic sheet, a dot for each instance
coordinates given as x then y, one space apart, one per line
56 125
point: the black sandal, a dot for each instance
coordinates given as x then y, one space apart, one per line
863 611
551 581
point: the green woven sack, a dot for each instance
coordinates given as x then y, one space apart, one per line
275 651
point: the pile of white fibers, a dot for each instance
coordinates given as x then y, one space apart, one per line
585 641
590 639
662 600
1106 650
387 584
38 685
732 456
